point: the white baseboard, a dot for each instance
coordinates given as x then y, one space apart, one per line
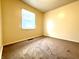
1 49
21 40
63 39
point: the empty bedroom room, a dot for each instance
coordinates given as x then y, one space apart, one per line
39 29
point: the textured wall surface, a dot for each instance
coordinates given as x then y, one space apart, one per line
12 31
63 22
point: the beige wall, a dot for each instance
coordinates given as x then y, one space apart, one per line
12 31
0 32
0 26
63 22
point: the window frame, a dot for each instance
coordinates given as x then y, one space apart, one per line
22 20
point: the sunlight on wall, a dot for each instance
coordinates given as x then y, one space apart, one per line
50 26
63 23
61 15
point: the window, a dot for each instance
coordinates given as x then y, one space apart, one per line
28 19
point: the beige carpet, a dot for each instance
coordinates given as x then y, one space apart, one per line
42 48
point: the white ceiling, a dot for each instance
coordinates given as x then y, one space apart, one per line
47 5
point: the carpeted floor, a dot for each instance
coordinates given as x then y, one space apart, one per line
42 48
